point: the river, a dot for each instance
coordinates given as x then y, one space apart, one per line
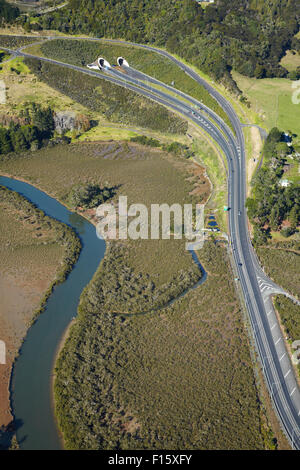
31 384
32 378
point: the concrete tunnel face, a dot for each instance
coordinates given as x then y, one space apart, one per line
103 63
122 62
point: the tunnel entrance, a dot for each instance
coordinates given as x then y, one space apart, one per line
122 62
103 63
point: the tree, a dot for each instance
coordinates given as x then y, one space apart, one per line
260 71
18 140
287 232
282 149
275 218
8 12
251 207
42 119
294 216
89 195
30 133
5 141
274 135
260 235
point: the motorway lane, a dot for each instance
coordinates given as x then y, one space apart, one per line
270 288
278 372
277 368
199 105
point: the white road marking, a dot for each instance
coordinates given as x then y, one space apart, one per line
287 373
282 356
277 341
292 391
273 326
269 312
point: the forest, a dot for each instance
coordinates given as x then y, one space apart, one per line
250 36
271 204
8 13
30 130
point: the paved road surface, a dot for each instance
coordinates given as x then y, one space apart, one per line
255 285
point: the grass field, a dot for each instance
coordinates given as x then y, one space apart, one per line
293 173
271 99
291 61
23 86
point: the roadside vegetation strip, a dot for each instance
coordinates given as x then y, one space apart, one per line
290 318
282 265
253 146
14 42
114 102
288 312
209 154
81 52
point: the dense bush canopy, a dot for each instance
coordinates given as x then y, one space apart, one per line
8 13
249 35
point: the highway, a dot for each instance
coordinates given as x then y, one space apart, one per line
256 286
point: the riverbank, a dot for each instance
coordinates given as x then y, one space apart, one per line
88 214
31 379
149 176
37 253
54 374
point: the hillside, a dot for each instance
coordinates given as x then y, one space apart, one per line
250 36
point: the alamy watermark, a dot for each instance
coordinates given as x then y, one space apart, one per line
161 222
2 92
296 354
296 93
2 352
